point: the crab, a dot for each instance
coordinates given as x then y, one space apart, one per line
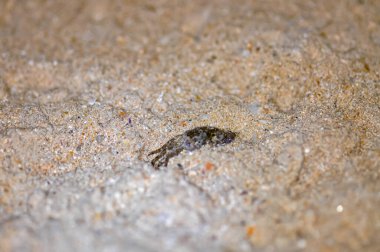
191 140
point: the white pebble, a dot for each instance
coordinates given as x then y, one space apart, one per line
339 208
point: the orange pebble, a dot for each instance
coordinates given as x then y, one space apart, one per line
250 231
209 166
122 114
183 123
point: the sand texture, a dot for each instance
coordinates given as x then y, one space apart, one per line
88 88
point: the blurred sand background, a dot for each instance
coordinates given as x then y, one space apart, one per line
88 88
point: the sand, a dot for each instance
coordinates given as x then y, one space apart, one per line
89 88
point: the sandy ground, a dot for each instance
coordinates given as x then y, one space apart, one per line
88 88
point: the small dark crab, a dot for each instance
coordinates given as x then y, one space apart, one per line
191 140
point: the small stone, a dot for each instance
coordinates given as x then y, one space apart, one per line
339 209
100 138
